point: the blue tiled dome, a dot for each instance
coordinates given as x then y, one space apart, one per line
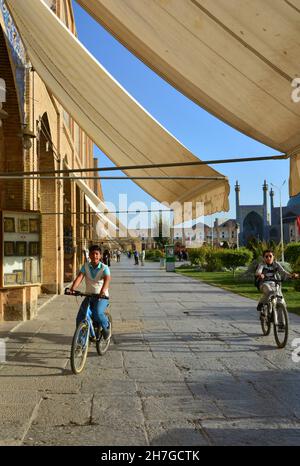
294 201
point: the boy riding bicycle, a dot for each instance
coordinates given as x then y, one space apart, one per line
267 274
97 279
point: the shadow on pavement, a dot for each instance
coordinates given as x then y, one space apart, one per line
235 436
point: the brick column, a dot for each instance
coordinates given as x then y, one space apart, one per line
49 237
14 304
32 293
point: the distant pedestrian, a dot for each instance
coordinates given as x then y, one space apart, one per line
106 257
118 255
136 257
143 255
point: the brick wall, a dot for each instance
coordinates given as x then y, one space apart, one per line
12 158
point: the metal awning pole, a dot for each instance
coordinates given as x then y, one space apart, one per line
34 177
153 166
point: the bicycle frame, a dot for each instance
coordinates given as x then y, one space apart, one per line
274 299
85 332
88 319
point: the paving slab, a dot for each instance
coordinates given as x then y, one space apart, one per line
178 433
248 432
188 365
59 410
96 435
111 409
178 408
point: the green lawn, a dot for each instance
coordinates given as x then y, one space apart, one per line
226 281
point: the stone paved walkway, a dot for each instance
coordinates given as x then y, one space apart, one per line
188 366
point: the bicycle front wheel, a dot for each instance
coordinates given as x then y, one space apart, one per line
265 321
102 344
281 329
80 346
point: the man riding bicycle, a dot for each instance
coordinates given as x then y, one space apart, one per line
267 274
97 279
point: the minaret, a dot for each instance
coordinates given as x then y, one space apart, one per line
265 217
272 204
237 201
238 210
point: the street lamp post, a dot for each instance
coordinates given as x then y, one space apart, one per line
281 220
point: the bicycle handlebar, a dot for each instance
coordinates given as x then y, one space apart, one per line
277 281
68 292
78 293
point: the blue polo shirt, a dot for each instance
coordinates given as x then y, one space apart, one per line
95 270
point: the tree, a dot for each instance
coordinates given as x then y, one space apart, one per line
233 258
161 240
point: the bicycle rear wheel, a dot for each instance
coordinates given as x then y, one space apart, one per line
281 329
80 346
265 321
102 344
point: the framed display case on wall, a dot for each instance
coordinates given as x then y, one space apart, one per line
34 226
20 249
9 225
9 248
34 247
23 225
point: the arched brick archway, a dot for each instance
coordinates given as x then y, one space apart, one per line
48 205
16 303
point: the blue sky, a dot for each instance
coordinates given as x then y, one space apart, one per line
203 134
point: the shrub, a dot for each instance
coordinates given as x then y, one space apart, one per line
292 253
233 258
296 269
258 247
154 255
296 266
149 255
197 255
248 275
212 260
297 285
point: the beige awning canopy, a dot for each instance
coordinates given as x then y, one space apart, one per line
125 132
101 231
235 58
103 219
109 224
